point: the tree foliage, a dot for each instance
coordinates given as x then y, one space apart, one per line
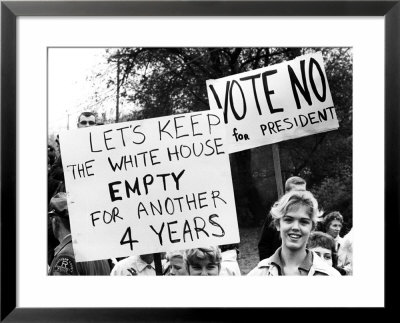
165 81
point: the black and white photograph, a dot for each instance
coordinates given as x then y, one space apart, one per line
200 161
172 139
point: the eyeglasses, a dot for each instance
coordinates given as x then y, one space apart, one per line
63 214
84 122
52 213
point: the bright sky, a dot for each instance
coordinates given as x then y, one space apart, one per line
68 87
71 86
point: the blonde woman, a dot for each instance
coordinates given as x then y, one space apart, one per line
295 216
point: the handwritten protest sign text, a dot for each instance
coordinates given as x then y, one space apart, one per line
275 103
149 186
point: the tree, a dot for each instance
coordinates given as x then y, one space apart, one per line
165 81
325 159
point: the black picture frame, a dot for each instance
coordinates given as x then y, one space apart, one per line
11 10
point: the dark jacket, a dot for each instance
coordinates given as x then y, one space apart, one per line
64 262
269 239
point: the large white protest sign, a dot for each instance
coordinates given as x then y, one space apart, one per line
149 186
275 103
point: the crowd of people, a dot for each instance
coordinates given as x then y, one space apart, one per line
296 239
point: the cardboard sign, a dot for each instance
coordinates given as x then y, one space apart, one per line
276 103
149 186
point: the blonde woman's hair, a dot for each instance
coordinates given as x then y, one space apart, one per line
296 199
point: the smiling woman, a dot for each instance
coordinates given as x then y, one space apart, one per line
295 216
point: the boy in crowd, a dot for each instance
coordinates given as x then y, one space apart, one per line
203 261
86 119
324 246
175 266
